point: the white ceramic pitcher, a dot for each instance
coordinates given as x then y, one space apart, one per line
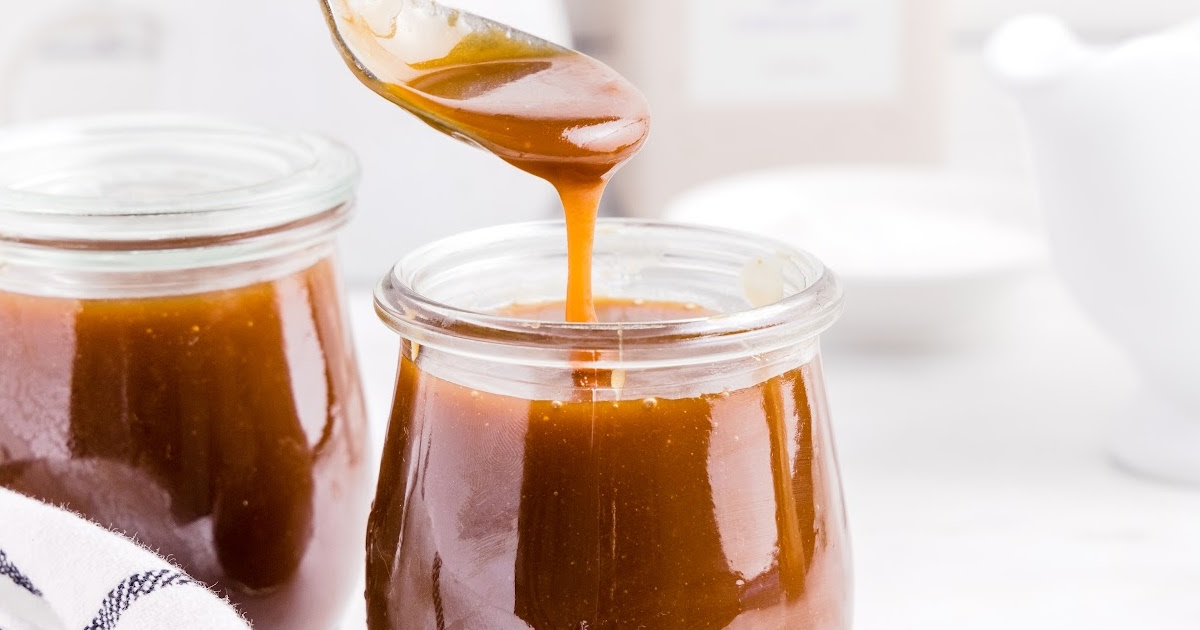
1116 142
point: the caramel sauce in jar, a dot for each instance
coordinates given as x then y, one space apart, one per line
613 491
195 391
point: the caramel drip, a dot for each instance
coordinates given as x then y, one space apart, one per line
556 114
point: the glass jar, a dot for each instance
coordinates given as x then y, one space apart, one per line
174 358
669 468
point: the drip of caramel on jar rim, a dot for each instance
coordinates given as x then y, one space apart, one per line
549 111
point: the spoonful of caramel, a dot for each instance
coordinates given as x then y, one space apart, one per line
550 111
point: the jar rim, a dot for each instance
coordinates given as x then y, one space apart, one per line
803 313
123 181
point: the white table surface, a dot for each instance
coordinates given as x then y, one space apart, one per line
977 483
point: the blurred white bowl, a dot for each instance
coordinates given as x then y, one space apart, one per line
928 259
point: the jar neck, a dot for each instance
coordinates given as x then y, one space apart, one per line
765 306
162 204
608 380
113 269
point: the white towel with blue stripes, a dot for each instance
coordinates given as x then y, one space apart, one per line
60 572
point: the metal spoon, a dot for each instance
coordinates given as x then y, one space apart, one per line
523 98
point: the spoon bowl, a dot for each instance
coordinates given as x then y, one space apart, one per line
462 74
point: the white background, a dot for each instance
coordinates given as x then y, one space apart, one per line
979 490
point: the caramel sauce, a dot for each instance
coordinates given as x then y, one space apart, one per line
224 430
551 112
666 513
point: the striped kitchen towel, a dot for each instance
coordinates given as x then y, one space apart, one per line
60 572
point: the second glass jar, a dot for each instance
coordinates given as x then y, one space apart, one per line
174 358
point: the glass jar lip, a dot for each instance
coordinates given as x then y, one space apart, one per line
799 316
119 181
